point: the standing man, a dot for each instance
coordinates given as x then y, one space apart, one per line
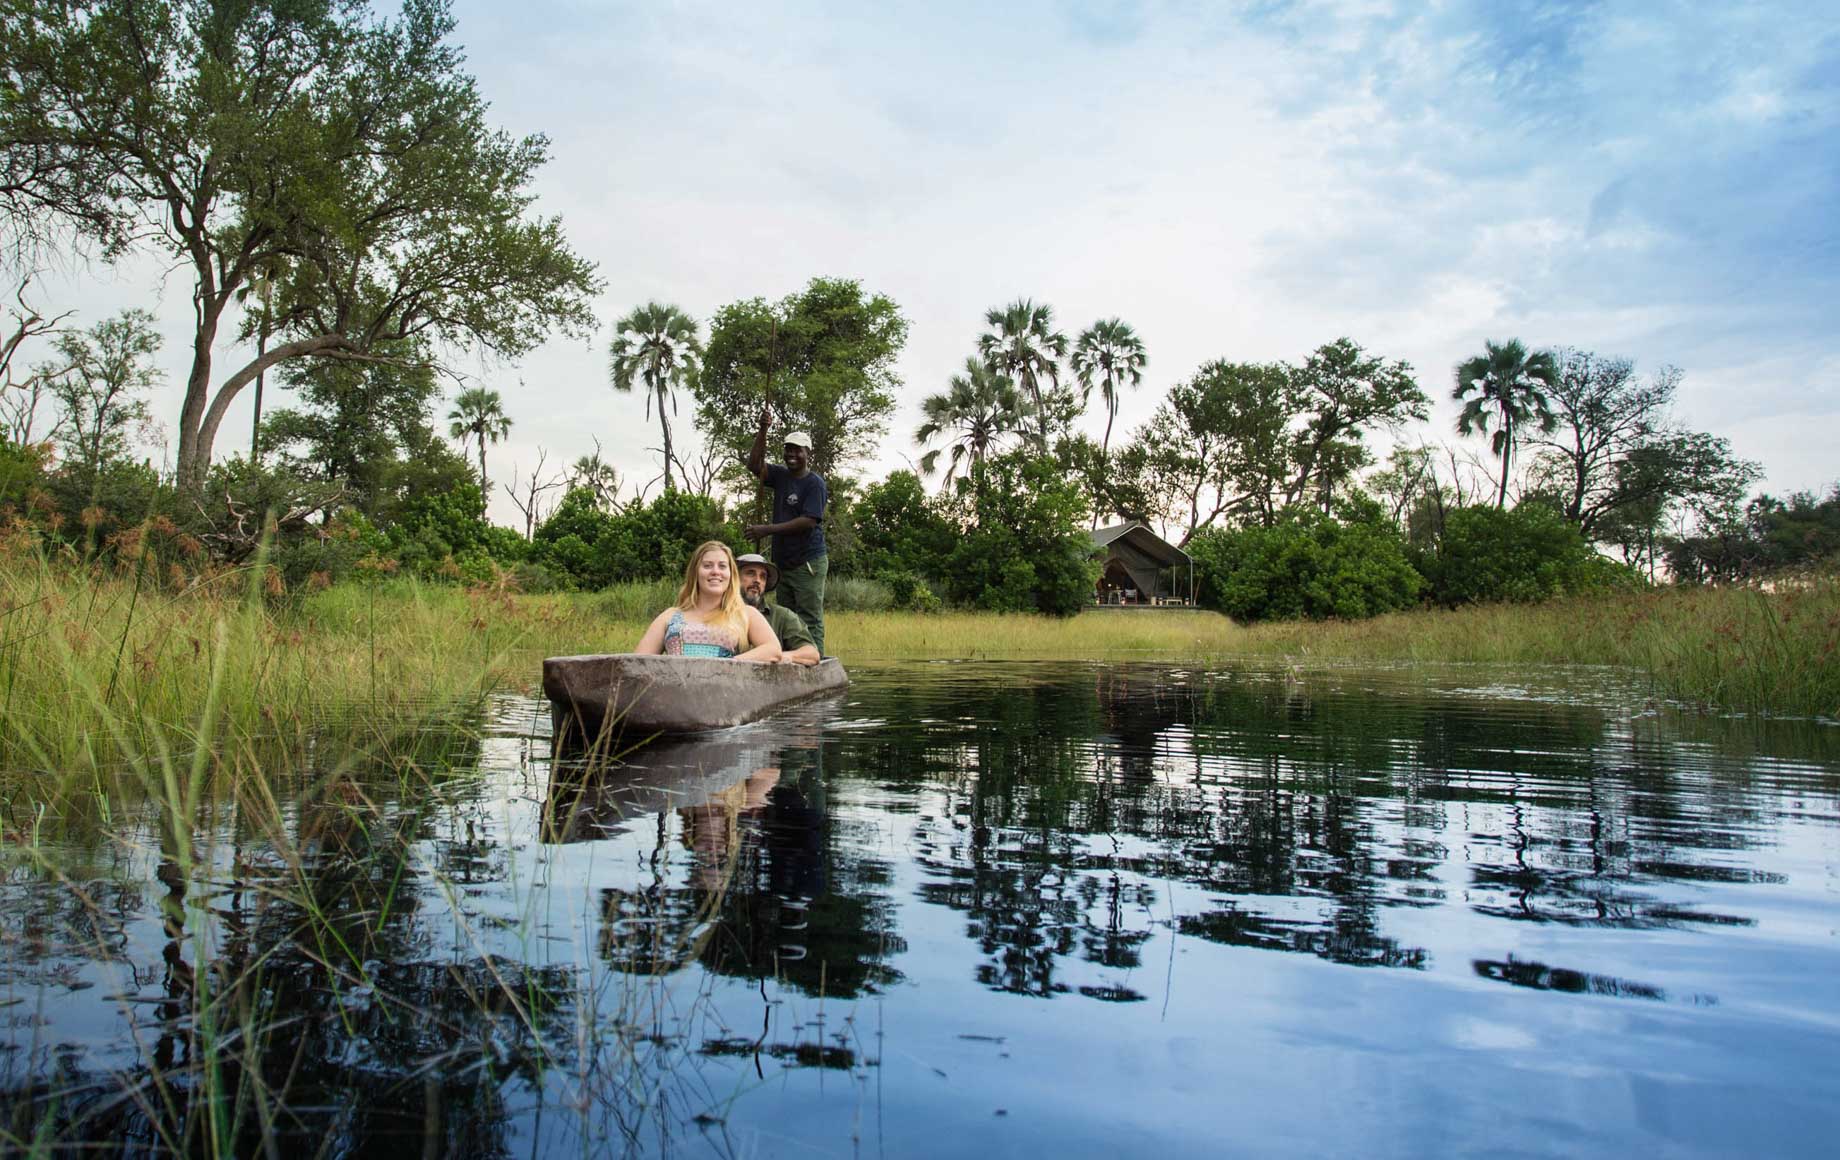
799 499
758 578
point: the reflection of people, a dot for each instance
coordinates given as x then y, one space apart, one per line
712 830
710 619
759 577
799 498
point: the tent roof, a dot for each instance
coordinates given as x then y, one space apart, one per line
1143 539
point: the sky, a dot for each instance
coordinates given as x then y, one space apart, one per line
1237 181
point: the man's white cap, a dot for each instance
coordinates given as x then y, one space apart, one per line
799 439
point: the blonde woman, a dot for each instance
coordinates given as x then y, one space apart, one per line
710 619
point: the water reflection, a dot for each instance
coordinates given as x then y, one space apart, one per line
469 946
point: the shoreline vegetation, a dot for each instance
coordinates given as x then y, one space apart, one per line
92 663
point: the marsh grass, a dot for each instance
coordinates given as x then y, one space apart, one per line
283 844
1730 648
275 768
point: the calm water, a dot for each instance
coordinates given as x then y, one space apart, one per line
982 910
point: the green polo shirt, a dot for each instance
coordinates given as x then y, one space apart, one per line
786 625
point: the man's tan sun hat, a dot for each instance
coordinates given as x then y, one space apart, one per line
756 558
799 439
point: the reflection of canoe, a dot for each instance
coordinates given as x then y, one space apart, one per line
596 800
665 694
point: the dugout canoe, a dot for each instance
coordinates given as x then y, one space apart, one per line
643 694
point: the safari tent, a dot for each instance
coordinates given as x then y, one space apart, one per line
1142 568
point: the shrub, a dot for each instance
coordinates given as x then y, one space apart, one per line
1306 566
909 592
857 594
899 529
1026 548
1521 555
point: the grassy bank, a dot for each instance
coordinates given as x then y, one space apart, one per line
1732 648
88 661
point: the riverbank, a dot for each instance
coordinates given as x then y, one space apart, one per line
89 663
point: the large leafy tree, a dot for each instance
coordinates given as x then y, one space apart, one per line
351 153
479 415
1505 387
1023 345
976 412
1617 463
100 392
367 427
1342 391
1219 446
824 359
1109 353
656 346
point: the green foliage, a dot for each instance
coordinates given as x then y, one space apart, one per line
1025 546
594 548
478 414
828 356
342 159
1246 440
1510 385
1773 536
978 410
106 370
898 530
655 345
1307 565
1023 346
368 427
1522 555
434 528
857 594
1109 353
909 592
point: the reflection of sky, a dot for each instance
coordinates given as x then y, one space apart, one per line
1696 1012
1659 180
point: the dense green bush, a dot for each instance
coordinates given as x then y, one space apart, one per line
1025 547
857 594
899 529
911 593
1520 555
594 547
1307 566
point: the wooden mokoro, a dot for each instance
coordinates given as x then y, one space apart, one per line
643 694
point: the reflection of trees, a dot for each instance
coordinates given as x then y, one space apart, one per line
1306 810
767 891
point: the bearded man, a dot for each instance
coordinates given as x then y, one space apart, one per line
759 577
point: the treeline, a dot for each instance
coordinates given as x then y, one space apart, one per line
347 217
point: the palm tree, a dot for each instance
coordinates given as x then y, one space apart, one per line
1111 351
598 476
1510 388
656 343
1023 344
978 408
478 415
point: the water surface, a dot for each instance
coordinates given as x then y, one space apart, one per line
979 910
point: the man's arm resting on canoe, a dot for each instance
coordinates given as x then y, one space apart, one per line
760 636
805 654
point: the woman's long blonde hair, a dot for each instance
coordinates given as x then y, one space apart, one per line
731 613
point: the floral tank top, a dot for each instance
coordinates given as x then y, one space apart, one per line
686 638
